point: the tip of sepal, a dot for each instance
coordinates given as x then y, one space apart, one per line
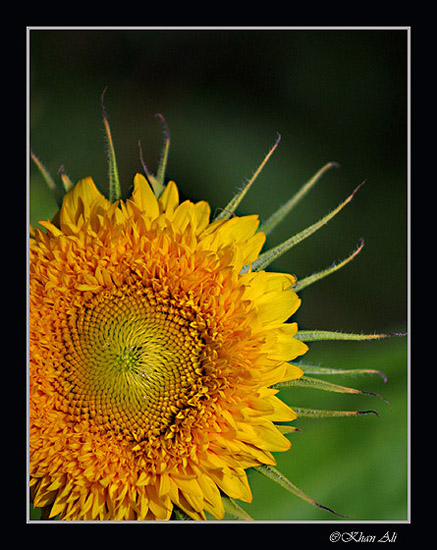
157 187
160 174
332 511
232 205
351 196
157 182
66 181
269 256
319 384
279 215
315 369
303 283
285 429
275 475
373 394
378 372
102 103
361 413
57 189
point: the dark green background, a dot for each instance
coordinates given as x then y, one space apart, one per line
334 95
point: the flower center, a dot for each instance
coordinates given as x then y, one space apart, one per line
132 361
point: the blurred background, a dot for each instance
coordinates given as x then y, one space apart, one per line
333 95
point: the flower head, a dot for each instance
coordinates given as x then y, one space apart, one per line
152 356
158 343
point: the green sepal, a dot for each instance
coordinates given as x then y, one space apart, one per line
234 509
317 384
57 189
321 413
265 259
114 180
232 205
285 429
303 283
160 174
66 181
269 225
180 515
157 182
153 182
275 475
319 335
314 369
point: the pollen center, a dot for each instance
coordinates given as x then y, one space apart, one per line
132 361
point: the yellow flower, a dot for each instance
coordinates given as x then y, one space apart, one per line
158 344
151 357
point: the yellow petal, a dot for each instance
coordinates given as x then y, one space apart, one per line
201 213
183 215
271 438
51 228
81 200
267 406
238 229
189 486
274 308
169 199
282 344
57 508
279 281
164 484
281 411
293 371
86 191
224 233
234 485
253 247
144 197
210 492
